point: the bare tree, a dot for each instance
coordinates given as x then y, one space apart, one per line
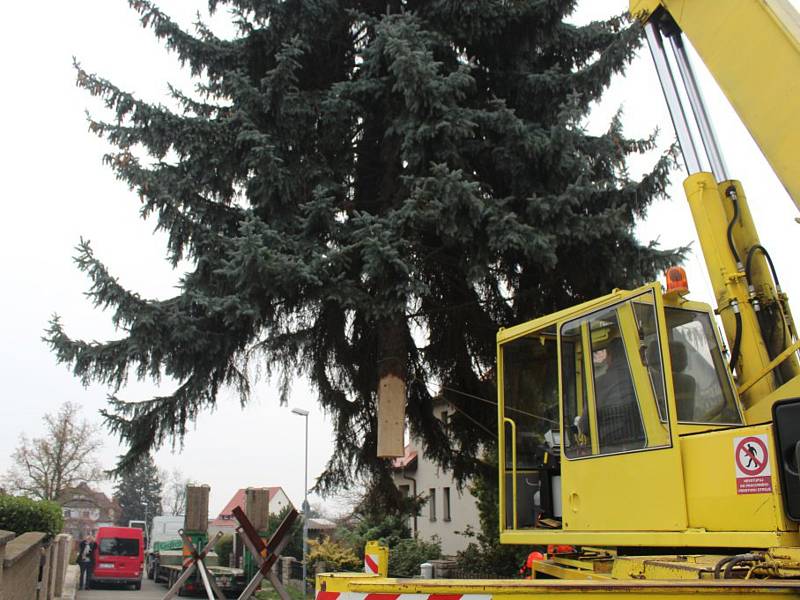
65 456
174 491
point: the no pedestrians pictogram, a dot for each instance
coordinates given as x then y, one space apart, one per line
751 456
753 474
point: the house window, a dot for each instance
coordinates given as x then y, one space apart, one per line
432 504
66 512
446 503
404 491
86 514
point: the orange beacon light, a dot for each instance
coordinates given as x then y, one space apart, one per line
676 281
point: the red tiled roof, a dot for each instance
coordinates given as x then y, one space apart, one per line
225 517
405 461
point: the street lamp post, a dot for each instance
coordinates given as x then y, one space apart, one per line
304 414
146 528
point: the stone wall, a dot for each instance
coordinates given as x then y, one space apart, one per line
21 567
46 562
23 559
289 575
63 546
444 568
5 537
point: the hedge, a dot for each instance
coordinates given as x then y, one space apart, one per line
407 555
21 515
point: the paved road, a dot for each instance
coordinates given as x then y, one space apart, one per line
149 591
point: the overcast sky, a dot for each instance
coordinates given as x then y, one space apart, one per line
55 191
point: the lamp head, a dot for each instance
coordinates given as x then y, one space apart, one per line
300 411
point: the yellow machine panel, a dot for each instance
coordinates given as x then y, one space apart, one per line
714 493
331 586
640 491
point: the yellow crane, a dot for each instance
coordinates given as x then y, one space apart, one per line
655 461
663 442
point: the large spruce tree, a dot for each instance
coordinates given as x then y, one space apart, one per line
138 492
362 187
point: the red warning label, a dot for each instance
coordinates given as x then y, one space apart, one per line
753 473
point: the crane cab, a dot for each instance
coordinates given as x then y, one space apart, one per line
618 425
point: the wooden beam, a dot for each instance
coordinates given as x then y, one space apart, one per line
196 519
391 416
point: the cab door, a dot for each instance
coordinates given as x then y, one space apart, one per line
621 466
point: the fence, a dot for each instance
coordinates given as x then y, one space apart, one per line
33 567
290 572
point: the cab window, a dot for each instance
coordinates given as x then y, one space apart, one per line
613 391
703 390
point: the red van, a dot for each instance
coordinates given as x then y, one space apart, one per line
118 556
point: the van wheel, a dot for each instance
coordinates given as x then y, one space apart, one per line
137 585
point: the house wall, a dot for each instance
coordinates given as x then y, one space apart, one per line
278 502
81 513
227 529
434 519
85 510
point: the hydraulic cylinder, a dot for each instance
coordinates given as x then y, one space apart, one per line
729 283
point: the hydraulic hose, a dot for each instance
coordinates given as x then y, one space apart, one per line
720 564
731 193
737 339
729 562
749 262
747 272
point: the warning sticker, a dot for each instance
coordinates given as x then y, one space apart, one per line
753 473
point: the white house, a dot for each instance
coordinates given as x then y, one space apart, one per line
448 511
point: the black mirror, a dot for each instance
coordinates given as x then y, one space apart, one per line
786 421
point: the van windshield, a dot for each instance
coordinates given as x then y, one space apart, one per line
119 547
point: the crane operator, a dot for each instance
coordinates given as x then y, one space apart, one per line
619 424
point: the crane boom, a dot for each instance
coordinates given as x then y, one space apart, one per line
752 49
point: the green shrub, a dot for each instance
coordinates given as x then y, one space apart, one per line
491 560
389 530
337 557
223 548
407 555
486 557
21 515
